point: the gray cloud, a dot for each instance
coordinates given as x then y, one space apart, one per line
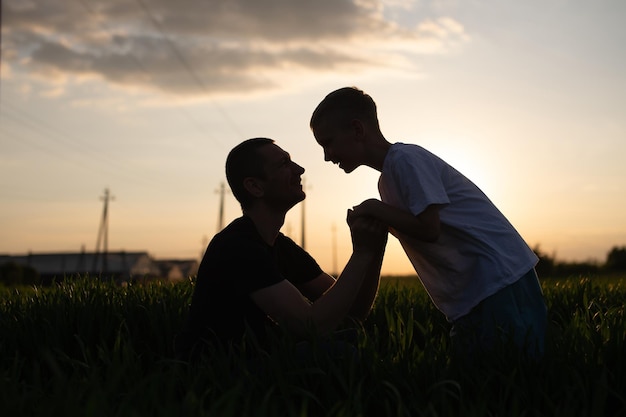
192 47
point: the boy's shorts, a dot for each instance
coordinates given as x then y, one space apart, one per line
516 314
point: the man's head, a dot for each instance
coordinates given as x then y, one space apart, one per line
341 122
258 169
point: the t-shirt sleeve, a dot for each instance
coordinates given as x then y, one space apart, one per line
248 265
295 263
419 181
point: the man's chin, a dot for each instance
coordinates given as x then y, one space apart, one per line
299 199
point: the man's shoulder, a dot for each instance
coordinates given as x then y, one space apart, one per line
239 230
284 241
239 237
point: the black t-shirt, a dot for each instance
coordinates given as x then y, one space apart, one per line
238 262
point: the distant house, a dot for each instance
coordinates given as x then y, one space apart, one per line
175 270
121 266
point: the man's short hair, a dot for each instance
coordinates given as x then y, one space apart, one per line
343 105
244 161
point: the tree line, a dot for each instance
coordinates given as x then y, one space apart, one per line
550 267
12 274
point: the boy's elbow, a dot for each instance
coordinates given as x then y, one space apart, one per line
431 234
428 224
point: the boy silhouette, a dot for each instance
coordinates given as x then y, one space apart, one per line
477 269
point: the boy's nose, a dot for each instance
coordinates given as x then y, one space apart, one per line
298 169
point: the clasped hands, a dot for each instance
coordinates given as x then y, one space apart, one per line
368 233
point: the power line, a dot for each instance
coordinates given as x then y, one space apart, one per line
138 64
186 65
52 133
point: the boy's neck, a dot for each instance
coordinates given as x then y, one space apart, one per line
377 151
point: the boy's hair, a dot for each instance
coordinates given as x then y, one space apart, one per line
245 161
343 105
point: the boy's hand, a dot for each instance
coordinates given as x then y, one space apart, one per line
370 207
368 234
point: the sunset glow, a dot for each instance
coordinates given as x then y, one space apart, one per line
146 98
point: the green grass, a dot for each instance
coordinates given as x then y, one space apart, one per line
89 348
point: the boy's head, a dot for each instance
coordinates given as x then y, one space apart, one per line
342 106
341 124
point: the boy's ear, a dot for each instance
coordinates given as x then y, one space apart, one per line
253 186
358 128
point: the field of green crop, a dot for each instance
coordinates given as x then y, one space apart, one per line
88 348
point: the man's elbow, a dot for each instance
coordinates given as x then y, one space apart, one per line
308 326
358 317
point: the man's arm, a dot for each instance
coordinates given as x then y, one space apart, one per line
285 303
367 294
315 288
364 300
369 288
424 226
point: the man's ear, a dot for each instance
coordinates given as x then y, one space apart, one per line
253 186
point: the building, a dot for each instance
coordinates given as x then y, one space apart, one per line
175 270
121 266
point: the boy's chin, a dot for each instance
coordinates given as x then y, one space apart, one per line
348 169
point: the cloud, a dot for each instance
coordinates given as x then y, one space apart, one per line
189 48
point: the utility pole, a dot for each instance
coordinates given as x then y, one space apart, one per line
220 218
103 234
334 245
205 241
302 217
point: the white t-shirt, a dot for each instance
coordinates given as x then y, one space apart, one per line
478 252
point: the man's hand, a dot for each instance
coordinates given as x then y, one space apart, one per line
368 234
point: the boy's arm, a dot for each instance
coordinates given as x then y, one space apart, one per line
424 226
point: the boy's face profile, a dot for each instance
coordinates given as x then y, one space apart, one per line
338 142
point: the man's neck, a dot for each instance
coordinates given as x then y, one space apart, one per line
267 222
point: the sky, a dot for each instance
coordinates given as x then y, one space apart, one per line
146 97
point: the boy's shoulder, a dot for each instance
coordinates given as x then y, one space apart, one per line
410 159
401 150
404 146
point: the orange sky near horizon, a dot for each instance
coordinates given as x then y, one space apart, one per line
525 98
